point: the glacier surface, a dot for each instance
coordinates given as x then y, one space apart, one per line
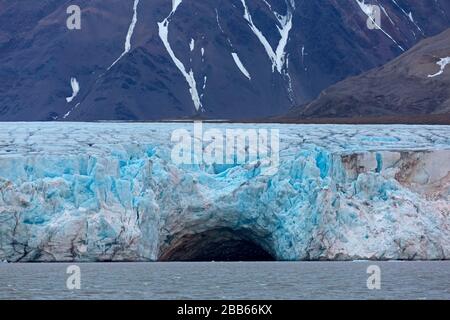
110 192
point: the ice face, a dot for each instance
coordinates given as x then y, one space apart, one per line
93 192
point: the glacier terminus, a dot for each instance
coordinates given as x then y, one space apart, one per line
110 192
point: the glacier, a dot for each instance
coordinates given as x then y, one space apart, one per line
110 192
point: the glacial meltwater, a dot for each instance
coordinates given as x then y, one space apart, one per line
231 280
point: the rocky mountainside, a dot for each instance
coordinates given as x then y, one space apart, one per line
163 59
417 83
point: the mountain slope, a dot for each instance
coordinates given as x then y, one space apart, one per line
415 84
228 59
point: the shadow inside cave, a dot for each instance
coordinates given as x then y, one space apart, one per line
215 245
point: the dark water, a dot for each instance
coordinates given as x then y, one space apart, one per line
239 280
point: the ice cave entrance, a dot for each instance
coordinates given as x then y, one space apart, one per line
215 245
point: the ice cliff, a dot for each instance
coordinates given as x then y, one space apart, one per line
101 192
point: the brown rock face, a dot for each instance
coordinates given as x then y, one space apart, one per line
414 85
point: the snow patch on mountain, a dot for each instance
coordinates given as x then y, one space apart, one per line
240 65
129 34
75 89
205 79
163 28
369 11
442 63
268 4
70 111
409 15
277 56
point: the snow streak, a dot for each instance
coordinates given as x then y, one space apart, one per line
277 56
409 16
163 28
368 10
69 112
129 34
240 65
